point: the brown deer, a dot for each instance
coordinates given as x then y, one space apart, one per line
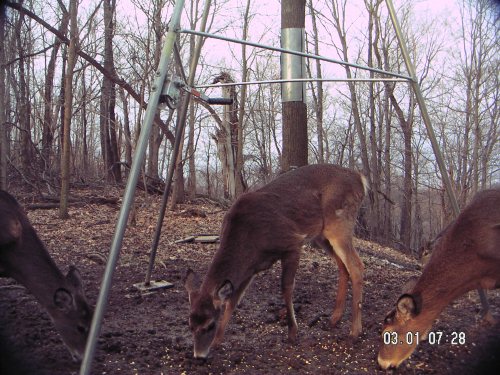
313 203
465 256
24 258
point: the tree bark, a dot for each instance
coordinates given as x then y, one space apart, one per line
68 108
374 166
4 144
109 143
48 125
339 26
23 103
240 183
318 98
406 199
294 113
111 75
156 136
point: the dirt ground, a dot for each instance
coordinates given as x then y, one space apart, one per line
148 333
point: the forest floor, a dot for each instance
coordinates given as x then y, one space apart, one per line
149 334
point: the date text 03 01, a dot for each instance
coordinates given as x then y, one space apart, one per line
433 338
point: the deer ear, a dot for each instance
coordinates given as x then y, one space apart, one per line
190 280
74 277
225 291
407 306
11 230
63 300
410 284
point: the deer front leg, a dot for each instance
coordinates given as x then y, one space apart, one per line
219 334
289 265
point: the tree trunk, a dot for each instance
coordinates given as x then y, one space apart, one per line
375 174
68 108
240 183
48 125
85 148
191 159
406 199
227 138
126 129
339 26
4 144
24 104
109 141
294 110
318 98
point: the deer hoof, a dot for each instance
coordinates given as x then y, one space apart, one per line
354 334
292 336
488 319
334 320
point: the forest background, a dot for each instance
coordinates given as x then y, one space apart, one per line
96 60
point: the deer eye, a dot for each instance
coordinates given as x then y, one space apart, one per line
210 327
389 319
82 329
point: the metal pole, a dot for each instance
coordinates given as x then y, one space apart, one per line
179 135
423 110
130 188
302 80
284 50
166 193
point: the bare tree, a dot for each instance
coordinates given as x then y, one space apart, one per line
22 89
318 93
479 80
109 142
48 125
4 144
68 103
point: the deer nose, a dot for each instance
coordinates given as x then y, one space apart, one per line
76 356
200 354
385 364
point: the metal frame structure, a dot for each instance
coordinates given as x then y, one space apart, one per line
154 99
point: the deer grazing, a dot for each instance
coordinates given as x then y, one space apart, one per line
465 256
24 258
313 203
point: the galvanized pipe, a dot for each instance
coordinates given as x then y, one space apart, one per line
423 109
128 197
272 81
284 50
179 135
430 131
293 66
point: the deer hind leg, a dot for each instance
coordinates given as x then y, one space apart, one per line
341 241
341 297
289 264
339 309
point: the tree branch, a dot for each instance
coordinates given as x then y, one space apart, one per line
113 77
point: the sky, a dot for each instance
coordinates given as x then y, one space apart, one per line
265 26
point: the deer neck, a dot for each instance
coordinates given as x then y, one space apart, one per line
437 289
36 270
229 264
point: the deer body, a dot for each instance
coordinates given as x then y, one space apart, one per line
24 258
466 256
316 203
